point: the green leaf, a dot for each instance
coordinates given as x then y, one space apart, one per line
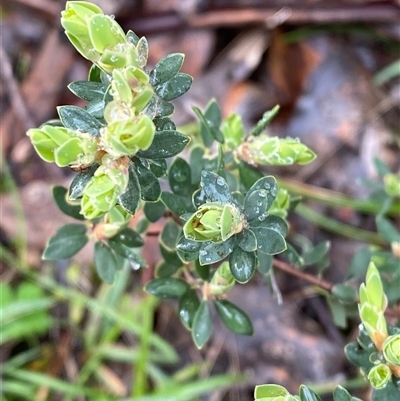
158 167
165 144
188 305
154 210
255 205
341 394
164 124
159 108
60 197
149 184
232 128
210 122
170 234
264 262
165 269
166 68
78 119
389 393
95 74
358 356
187 249
265 120
233 317
174 87
202 270
180 177
247 240
270 234
307 394
248 175
177 204
242 264
269 391
212 252
338 312
68 241
127 252
130 199
202 325
80 181
167 287
88 90
170 256
359 263
316 254
270 187
106 264
96 108
387 230
345 293
215 187
196 163
129 238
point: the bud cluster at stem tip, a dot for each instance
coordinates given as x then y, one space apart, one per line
124 129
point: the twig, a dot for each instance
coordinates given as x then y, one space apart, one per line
241 16
319 282
392 312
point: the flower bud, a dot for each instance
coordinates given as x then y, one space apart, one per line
265 150
114 221
379 376
214 222
374 322
62 145
222 280
132 87
102 192
90 31
391 349
127 137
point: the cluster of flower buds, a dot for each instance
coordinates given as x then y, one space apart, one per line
63 146
265 150
127 129
372 306
214 222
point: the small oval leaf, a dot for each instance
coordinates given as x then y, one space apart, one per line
78 119
212 252
233 317
154 210
60 197
130 199
215 187
166 68
165 144
174 87
188 305
68 241
167 287
242 264
105 262
202 325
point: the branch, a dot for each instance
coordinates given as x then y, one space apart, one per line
319 282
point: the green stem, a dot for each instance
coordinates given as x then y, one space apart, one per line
335 199
338 227
139 380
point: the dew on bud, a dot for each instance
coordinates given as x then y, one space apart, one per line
220 181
